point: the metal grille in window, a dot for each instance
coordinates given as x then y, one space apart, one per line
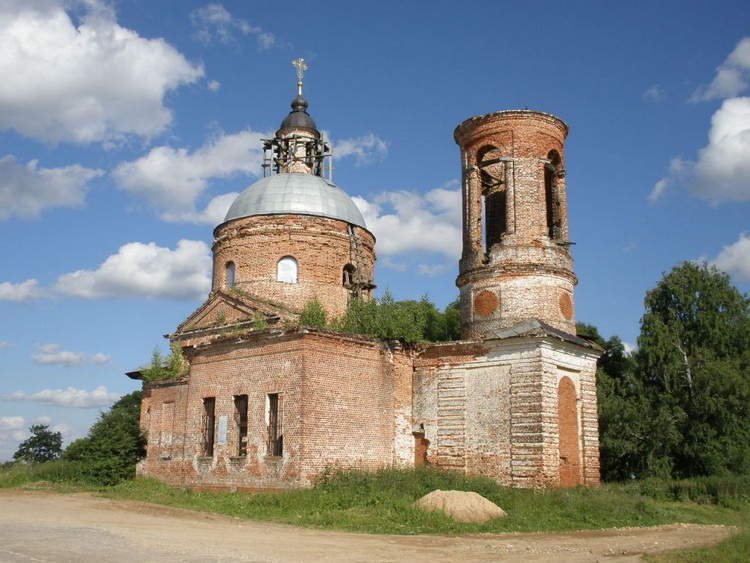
275 416
240 420
209 424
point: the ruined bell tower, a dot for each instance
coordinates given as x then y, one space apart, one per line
516 263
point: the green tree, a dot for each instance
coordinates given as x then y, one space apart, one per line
114 444
693 365
313 315
173 366
409 321
621 404
43 445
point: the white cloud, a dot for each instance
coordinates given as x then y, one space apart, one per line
145 270
409 222
43 420
11 423
70 397
94 82
27 190
722 171
4 345
655 93
214 85
20 292
732 76
51 354
365 149
214 22
735 259
100 358
174 179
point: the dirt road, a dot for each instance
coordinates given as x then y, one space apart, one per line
43 526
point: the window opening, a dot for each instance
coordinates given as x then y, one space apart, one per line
287 270
209 425
492 177
551 197
240 421
229 277
349 277
275 444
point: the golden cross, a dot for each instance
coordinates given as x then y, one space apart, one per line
301 68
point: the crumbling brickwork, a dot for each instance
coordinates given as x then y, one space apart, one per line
322 248
268 404
515 225
339 397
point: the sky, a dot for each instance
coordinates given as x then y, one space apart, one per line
127 128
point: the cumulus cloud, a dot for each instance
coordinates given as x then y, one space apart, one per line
12 423
721 171
407 221
26 190
70 397
735 259
365 149
85 83
20 292
52 354
213 22
145 270
173 180
12 431
732 76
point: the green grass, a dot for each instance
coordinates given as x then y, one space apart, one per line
381 502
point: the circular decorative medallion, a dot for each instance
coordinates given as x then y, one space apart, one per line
566 306
485 303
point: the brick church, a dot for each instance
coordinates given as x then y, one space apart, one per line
266 403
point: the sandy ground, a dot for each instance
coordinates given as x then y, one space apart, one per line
44 526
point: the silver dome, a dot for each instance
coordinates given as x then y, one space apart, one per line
303 194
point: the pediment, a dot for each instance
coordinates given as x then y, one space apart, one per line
226 309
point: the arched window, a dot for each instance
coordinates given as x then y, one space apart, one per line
286 270
229 275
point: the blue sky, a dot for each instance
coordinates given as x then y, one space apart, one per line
127 127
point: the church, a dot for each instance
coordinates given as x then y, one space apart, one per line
267 403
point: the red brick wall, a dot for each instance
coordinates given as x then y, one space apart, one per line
527 274
321 246
339 396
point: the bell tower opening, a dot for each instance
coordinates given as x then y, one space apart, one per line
553 171
492 177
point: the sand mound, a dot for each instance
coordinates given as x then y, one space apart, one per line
461 505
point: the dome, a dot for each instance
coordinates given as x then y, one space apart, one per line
302 194
298 118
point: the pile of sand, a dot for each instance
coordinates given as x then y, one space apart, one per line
461 505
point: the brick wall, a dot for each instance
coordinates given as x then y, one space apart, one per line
527 272
321 246
340 395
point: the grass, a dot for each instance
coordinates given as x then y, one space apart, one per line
381 502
